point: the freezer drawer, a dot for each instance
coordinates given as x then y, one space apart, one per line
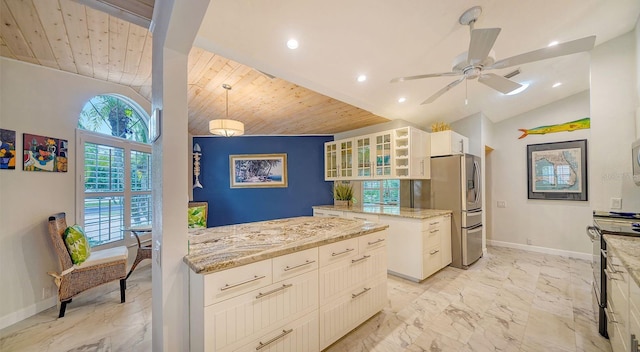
471 245
471 218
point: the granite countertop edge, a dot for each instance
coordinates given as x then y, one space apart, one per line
626 248
414 213
194 262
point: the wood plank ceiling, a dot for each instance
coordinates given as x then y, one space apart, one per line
68 36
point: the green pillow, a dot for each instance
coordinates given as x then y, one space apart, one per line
77 244
197 217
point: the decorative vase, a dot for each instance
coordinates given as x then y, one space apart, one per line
342 203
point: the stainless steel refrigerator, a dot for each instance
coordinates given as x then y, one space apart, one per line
456 185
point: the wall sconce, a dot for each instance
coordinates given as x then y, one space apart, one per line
197 152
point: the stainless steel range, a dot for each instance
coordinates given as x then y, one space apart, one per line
607 223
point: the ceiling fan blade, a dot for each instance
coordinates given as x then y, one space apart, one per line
432 98
572 47
482 41
499 83
409 78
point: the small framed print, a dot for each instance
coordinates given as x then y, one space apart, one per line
155 125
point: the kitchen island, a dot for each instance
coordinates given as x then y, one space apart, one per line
419 239
295 284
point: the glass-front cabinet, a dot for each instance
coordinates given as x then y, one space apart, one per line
383 154
346 158
364 165
331 161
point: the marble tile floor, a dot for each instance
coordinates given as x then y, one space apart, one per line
510 300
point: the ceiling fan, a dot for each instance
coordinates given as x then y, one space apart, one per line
480 58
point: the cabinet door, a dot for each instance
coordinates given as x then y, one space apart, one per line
345 148
383 154
419 150
327 213
237 321
445 240
330 161
364 156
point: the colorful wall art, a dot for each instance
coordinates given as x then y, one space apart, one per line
44 153
562 127
7 149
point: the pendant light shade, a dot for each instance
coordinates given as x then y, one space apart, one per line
226 127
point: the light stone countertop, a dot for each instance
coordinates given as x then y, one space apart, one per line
219 248
627 248
415 213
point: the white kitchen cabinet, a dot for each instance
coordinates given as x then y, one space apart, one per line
382 143
617 310
328 213
634 316
299 335
353 284
418 248
448 143
338 160
331 161
411 153
364 157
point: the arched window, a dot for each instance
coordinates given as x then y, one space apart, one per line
115 191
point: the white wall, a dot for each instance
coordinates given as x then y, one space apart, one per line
551 224
614 100
38 100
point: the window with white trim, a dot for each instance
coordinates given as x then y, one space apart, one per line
114 188
382 192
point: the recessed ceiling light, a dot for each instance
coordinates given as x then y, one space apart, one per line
557 84
292 44
402 100
555 42
519 90
362 78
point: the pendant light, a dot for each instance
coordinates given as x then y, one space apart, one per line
226 127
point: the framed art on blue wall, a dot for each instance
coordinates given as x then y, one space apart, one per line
258 170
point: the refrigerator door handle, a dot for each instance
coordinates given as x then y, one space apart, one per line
476 174
475 229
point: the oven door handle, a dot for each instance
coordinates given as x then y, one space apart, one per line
593 234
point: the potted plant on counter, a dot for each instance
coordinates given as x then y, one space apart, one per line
342 194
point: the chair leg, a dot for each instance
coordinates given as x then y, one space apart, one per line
123 287
63 307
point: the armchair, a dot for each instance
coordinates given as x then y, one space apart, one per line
101 267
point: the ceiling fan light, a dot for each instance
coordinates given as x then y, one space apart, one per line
226 128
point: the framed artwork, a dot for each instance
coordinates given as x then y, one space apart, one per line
43 153
558 171
258 170
7 149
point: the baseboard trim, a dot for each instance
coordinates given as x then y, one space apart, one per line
545 250
27 312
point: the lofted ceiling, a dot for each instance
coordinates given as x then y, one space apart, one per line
242 43
69 36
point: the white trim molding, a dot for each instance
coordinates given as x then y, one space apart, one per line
545 250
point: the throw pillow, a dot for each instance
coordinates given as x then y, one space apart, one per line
77 244
197 217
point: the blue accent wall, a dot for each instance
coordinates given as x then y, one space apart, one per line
305 164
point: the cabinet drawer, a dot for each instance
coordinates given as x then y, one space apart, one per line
432 261
344 314
294 264
337 251
433 223
431 238
327 213
299 335
372 241
340 277
239 320
232 282
362 216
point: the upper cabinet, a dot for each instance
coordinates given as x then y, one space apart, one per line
448 143
400 153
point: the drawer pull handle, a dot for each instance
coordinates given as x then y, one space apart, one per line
609 274
377 241
334 216
434 252
283 287
359 218
262 345
255 278
434 223
360 259
366 289
287 268
432 231
343 252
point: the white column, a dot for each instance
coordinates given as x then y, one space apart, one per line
175 25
